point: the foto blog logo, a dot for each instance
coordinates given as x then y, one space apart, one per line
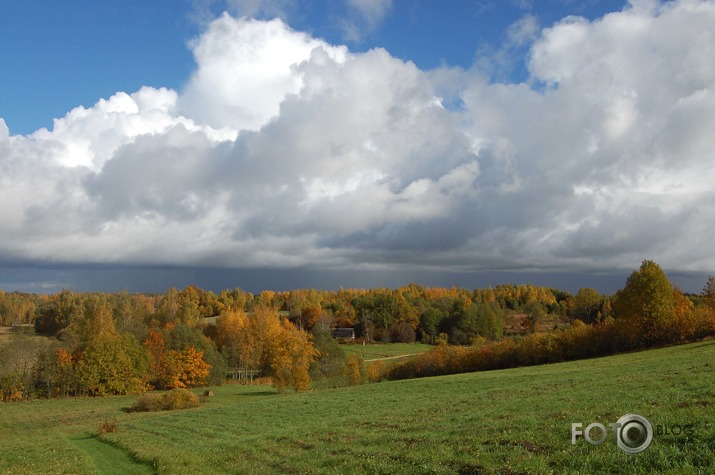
632 433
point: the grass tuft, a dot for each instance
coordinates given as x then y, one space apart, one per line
108 426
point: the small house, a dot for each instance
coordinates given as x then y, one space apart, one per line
343 333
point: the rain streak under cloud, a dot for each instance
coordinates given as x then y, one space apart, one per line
285 152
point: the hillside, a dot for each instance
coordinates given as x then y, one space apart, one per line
511 421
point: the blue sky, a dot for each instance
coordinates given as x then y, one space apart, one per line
284 144
58 55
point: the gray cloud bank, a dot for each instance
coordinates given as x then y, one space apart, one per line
285 152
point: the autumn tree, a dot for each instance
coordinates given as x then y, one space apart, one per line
261 341
16 308
341 308
645 304
181 338
587 305
92 320
103 361
187 368
708 293
112 364
266 299
235 299
378 310
233 340
131 313
291 355
57 313
405 320
55 373
158 371
189 310
175 361
468 320
684 324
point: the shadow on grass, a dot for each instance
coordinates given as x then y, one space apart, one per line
109 458
258 393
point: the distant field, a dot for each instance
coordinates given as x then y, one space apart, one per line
503 422
27 331
5 332
387 350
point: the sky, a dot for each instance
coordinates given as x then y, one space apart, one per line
278 144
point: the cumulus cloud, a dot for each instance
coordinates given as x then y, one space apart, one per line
286 151
600 139
245 71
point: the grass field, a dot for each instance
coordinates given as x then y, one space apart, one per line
376 351
7 332
504 422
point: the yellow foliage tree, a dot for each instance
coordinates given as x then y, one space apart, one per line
292 353
232 339
261 341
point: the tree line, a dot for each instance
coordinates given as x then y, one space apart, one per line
406 314
123 343
648 312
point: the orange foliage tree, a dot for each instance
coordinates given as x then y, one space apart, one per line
169 369
187 369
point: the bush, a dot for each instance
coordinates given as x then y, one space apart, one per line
147 403
375 372
174 399
180 399
354 369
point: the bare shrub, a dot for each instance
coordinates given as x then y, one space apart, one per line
108 426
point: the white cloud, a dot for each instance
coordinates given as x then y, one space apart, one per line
245 70
91 137
284 150
4 131
612 122
372 10
364 17
523 31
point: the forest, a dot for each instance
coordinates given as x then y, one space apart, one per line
95 344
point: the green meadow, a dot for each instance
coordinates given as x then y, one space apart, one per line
513 421
376 351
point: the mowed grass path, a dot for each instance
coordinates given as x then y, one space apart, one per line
504 422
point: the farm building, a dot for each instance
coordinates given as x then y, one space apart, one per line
343 333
